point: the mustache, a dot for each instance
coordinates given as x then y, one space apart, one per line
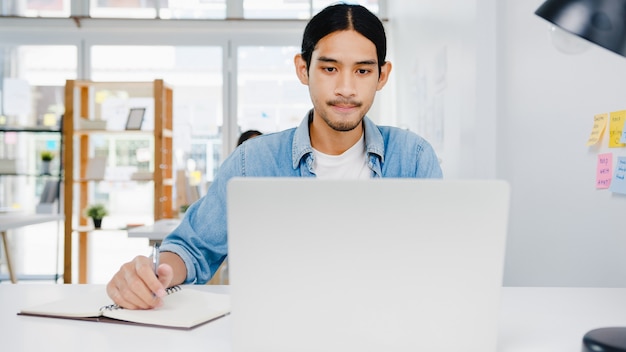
344 102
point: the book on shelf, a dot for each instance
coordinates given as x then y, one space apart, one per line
50 192
47 200
87 124
8 166
141 176
96 168
183 308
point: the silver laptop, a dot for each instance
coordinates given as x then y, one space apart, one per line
369 265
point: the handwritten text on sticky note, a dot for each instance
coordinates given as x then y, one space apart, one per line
604 170
618 185
599 124
616 125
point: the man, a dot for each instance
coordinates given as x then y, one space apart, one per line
343 64
247 135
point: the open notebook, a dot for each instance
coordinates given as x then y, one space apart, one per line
182 309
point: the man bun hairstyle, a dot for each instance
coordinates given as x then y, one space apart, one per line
342 17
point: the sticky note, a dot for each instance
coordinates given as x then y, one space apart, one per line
618 185
604 170
623 138
599 124
10 138
616 125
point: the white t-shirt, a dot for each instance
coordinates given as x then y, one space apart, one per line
352 164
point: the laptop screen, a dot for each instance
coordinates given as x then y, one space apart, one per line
366 265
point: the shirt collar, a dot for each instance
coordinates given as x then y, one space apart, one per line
302 142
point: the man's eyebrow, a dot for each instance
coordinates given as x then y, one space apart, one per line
326 59
366 62
329 59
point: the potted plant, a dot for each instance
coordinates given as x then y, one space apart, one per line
182 209
46 159
96 212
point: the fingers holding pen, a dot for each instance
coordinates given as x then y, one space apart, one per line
135 285
165 274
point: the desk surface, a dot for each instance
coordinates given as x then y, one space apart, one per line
531 320
24 333
155 232
10 221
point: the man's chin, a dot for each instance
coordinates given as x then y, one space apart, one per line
341 122
343 126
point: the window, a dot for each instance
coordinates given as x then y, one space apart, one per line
228 76
35 8
270 96
293 9
172 9
195 72
43 69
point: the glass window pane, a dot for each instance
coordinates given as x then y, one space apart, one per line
37 74
270 96
193 9
35 8
166 9
123 8
195 73
371 5
293 9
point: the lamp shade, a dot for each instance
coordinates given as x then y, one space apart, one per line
602 22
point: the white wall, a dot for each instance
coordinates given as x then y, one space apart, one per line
563 231
518 109
439 50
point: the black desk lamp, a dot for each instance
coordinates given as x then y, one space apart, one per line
602 22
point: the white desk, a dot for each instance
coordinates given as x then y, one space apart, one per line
155 232
14 220
22 333
532 320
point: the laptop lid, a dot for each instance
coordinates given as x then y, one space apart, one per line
365 265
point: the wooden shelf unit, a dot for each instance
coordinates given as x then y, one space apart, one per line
80 103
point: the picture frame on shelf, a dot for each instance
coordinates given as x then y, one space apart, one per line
135 118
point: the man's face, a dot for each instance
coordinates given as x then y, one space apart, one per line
343 78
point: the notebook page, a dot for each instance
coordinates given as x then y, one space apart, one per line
182 309
80 306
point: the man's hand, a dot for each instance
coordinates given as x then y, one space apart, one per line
135 286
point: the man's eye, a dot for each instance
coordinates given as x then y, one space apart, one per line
329 69
363 71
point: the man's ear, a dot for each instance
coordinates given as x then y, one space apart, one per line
301 69
385 70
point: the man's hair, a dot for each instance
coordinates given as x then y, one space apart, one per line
247 135
342 17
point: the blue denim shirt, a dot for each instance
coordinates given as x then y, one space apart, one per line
200 240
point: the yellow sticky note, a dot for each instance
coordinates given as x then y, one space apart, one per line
616 125
101 96
195 177
49 119
599 124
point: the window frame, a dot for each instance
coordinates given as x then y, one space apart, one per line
234 9
228 35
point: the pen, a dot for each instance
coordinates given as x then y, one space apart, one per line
155 258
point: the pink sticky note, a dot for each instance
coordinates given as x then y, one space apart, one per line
604 171
10 138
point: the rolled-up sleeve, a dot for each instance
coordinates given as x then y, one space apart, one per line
201 238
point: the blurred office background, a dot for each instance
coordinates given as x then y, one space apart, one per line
480 79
